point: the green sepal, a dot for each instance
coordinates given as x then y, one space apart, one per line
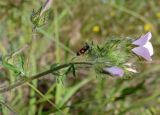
37 19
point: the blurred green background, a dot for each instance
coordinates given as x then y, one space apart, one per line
69 24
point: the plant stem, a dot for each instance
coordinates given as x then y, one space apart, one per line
39 75
8 107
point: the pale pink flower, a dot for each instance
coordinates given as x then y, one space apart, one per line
114 71
145 48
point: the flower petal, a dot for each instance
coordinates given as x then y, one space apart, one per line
143 39
114 71
149 46
131 70
143 52
46 6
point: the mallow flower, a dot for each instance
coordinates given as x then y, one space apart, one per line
114 71
144 47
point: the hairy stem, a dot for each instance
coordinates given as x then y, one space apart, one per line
39 75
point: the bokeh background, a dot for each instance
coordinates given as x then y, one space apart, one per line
69 24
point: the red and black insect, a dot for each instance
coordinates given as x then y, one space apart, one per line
83 50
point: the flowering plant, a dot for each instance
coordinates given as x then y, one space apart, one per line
112 58
115 53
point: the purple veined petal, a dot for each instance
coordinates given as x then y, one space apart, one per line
143 52
143 39
114 71
149 46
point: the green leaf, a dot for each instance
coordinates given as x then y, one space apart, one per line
53 66
99 48
9 66
68 70
21 64
58 74
18 68
73 70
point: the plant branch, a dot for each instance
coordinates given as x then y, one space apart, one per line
39 75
